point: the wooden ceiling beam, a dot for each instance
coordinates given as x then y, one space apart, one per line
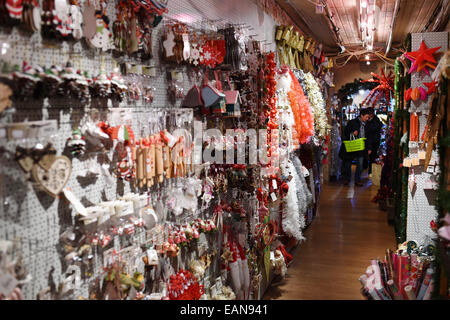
295 15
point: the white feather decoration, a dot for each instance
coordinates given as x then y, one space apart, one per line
292 219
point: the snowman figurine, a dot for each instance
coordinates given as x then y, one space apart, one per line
76 143
102 38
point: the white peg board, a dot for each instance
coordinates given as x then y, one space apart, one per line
34 217
421 209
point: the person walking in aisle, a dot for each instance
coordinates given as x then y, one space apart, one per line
357 128
373 135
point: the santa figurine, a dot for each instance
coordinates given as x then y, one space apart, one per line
15 9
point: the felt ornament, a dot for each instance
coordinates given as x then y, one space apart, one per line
431 86
415 94
169 45
423 94
422 58
194 57
408 94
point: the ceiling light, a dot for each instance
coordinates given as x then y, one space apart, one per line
364 4
368 63
367 57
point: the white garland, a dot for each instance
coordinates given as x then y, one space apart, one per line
315 98
304 195
286 124
293 221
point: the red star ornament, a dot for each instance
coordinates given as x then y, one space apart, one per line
422 58
431 87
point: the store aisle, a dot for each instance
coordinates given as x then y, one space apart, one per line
348 231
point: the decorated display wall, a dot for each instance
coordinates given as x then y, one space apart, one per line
101 196
421 197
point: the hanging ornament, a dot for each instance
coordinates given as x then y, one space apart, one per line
431 86
384 88
15 9
422 58
77 143
102 37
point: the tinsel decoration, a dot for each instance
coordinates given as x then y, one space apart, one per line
317 103
304 118
292 220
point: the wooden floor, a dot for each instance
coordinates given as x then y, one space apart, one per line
348 231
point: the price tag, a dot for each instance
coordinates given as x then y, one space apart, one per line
206 283
149 71
274 184
218 284
305 172
177 75
273 196
17 133
407 162
412 144
105 216
437 170
7 284
213 291
430 169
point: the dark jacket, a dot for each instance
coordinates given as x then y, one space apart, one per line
352 125
373 134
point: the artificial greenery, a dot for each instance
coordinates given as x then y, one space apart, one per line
353 87
442 202
400 174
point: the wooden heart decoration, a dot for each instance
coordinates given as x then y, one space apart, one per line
47 161
55 179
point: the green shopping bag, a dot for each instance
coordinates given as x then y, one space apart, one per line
354 144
